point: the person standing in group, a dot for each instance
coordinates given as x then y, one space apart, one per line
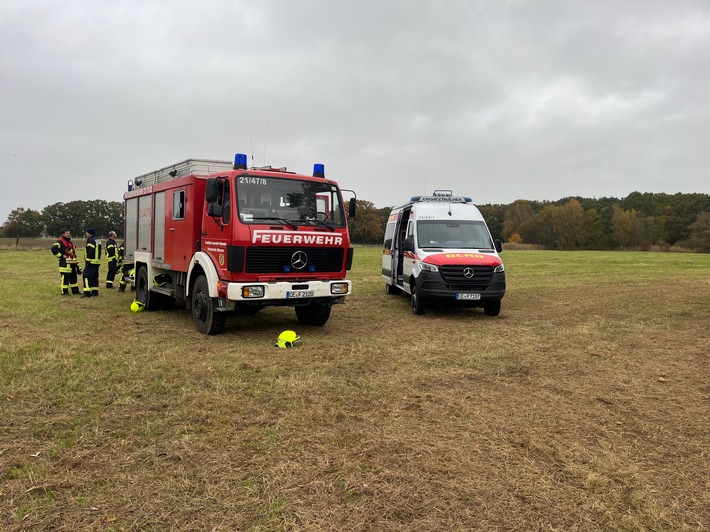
112 255
69 270
123 267
93 261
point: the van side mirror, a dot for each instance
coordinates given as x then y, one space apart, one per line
409 244
499 245
214 210
351 208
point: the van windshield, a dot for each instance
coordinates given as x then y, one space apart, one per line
457 234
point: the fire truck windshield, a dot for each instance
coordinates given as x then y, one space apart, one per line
452 234
289 201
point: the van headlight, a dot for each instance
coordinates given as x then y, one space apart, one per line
499 269
426 267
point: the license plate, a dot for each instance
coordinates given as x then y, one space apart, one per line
468 296
299 293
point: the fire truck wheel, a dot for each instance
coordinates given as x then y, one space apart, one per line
492 308
207 319
143 294
314 313
417 305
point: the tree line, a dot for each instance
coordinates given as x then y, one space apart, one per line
104 216
639 221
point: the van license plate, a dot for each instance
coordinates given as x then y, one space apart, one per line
299 293
468 296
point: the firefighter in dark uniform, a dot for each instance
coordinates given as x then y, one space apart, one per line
93 261
122 277
69 270
112 257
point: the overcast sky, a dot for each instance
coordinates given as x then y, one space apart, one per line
498 100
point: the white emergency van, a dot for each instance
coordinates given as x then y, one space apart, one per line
438 249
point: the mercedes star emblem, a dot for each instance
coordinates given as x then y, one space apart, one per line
299 260
468 273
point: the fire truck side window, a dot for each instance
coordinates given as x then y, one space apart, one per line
179 205
226 203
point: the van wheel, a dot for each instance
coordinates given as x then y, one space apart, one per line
313 314
392 290
207 319
150 300
417 305
492 308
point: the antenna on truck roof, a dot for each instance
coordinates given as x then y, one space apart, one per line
266 131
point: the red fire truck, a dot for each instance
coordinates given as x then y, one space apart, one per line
229 239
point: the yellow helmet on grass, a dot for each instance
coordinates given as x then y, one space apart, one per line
137 306
287 339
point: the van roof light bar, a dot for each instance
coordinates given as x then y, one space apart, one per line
441 199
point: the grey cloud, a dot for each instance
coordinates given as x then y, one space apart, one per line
500 101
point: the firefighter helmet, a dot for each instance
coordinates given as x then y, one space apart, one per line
162 279
137 306
287 339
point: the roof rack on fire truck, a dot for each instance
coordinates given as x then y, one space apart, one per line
440 196
181 169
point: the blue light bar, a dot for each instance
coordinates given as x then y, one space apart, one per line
319 170
240 161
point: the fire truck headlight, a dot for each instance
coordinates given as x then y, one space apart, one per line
498 269
251 292
339 288
426 267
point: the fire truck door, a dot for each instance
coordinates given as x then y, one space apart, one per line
159 235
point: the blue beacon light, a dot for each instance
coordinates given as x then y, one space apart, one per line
319 170
240 161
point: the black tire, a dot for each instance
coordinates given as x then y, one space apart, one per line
417 304
392 290
315 313
492 308
206 317
150 300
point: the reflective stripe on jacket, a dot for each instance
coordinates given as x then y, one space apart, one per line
65 251
93 251
111 250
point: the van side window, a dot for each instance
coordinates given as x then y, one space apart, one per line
410 230
389 235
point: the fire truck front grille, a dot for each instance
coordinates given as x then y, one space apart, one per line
466 277
281 260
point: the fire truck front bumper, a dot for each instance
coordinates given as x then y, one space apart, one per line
289 293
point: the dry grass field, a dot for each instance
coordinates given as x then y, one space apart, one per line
584 406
